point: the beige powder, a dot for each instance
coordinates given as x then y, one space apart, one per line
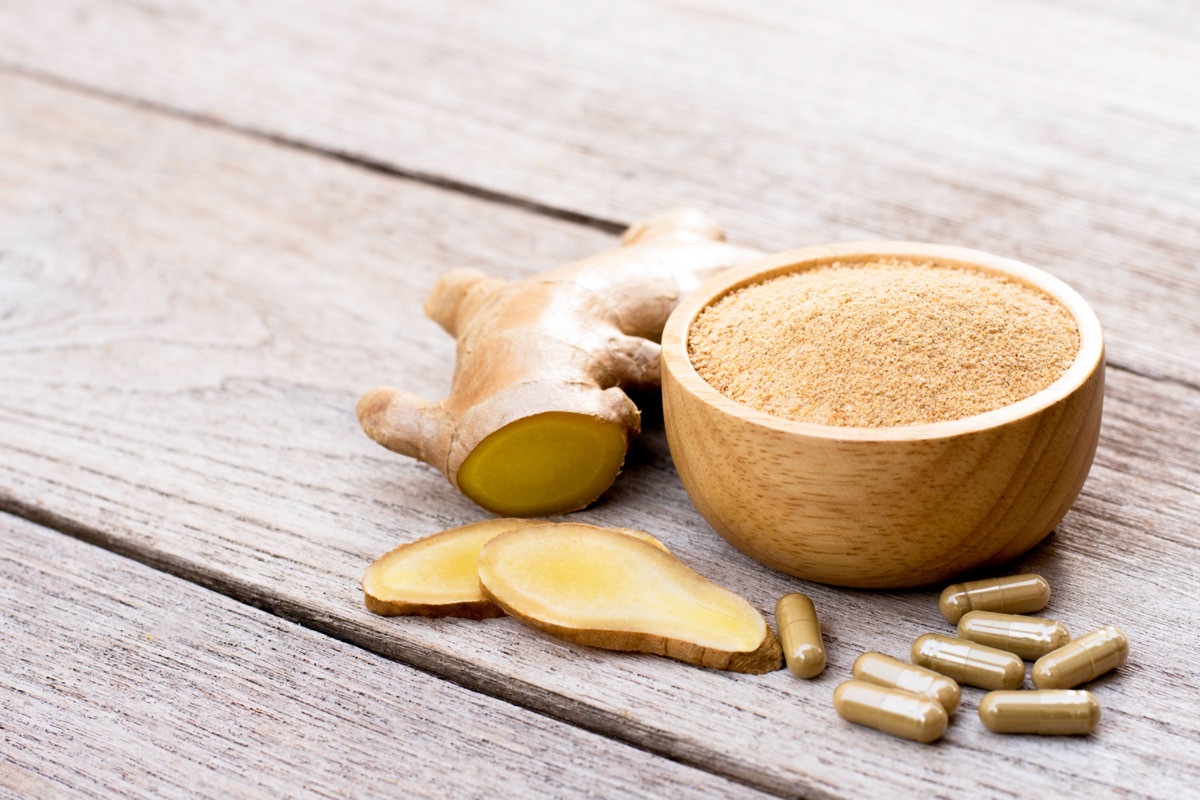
882 343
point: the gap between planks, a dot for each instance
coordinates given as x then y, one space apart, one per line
362 162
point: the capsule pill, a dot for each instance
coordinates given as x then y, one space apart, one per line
1016 594
896 674
892 711
1049 712
967 662
1082 660
800 635
1028 637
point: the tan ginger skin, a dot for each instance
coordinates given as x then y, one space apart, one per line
537 421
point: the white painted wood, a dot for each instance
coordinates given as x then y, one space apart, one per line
120 681
188 317
1060 134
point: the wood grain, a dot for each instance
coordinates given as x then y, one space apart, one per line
122 681
1059 134
189 316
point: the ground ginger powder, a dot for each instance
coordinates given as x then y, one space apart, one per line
882 343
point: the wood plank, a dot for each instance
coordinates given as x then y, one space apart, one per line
189 316
1164 17
118 680
1059 134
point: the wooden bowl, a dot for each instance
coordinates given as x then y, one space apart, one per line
883 507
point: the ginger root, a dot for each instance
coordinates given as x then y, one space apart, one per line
437 576
603 588
536 422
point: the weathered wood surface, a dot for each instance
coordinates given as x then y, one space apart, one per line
1061 134
189 315
117 680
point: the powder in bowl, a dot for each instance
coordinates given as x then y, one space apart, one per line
882 343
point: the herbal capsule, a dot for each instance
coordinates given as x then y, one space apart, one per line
1050 712
800 634
1028 637
1082 660
1016 594
892 711
967 662
896 674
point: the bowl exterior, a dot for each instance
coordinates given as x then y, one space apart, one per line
876 514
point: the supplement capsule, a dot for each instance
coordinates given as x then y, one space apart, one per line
1082 660
1028 637
1016 594
800 635
1050 712
892 711
896 674
967 662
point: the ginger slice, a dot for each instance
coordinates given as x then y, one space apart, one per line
603 588
436 576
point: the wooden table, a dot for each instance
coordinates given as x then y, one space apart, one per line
217 223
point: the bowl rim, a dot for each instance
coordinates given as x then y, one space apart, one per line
675 360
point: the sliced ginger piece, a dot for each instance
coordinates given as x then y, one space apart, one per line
604 588
437 577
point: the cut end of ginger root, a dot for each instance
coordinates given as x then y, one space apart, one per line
604 588
437 576
550 463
